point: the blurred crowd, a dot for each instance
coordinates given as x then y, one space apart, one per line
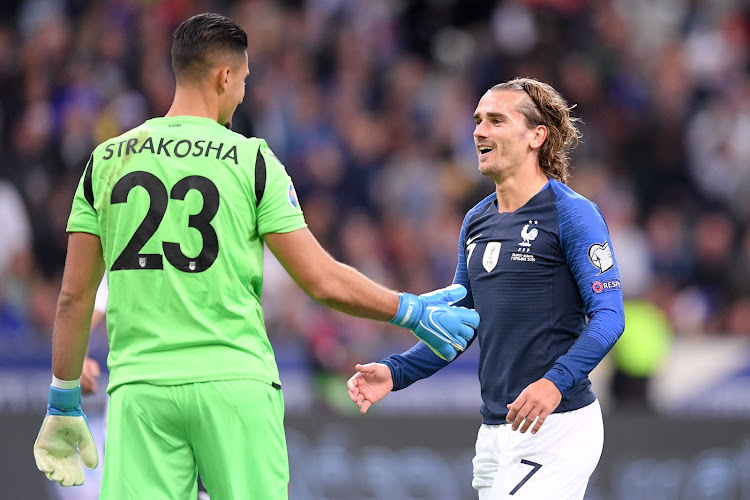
369 105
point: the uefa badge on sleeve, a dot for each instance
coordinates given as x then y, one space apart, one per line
600 286
600 257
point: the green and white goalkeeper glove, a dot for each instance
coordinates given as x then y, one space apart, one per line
64 440
431 317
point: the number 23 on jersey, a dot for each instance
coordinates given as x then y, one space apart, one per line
131 258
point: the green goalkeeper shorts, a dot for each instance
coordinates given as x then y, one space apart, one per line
160 437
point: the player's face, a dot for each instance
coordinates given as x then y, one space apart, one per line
235 91
502 137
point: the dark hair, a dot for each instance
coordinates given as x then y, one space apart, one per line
547 107
202 41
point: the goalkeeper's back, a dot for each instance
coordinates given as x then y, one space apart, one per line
181 204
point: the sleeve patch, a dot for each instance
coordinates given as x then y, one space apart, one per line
601 286
601 257
293 196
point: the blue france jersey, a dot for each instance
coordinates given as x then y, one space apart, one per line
534 275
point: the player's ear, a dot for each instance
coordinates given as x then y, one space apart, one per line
539 134
222 78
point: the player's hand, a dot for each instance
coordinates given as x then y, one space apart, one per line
89 375
370 384
64 440
444 328
537 400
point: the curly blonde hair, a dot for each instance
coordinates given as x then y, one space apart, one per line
547 107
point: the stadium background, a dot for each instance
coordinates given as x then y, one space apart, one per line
368 103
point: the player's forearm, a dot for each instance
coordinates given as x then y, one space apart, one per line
328 281
70 336
601 333
415 364
349 291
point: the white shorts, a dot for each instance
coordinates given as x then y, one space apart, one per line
556 462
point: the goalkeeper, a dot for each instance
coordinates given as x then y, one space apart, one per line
178 210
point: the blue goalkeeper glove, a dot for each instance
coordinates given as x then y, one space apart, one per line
64 440
444 328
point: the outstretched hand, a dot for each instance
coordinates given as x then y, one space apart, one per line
431 316
536 402
370 384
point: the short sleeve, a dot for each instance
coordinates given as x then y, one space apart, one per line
83 217
279 210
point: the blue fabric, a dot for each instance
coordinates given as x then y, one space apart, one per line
410 309
64 402
534 275
444 329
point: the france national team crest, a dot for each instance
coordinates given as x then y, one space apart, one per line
491 255
601 257
293 196
528 236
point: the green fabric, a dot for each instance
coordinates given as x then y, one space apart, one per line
160 437
646 340
185 302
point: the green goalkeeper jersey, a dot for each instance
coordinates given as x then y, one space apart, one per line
181 205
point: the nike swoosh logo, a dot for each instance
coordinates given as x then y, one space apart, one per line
471 240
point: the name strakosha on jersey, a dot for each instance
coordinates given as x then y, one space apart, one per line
601 257
168 147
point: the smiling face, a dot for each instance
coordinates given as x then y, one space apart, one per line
502 135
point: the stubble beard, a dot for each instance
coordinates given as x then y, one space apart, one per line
491 169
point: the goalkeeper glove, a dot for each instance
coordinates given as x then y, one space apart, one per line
444 328
64 440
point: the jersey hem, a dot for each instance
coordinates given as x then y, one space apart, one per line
170 381
500 418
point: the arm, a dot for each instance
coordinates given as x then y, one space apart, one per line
328 281
443 328
374 381
91 370
64 439
587 248
281 224
84 267
419 362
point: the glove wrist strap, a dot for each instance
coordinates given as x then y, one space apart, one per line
64 400
410 308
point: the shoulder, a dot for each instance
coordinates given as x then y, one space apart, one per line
113 141
479 207
231 135
565 194
572 204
